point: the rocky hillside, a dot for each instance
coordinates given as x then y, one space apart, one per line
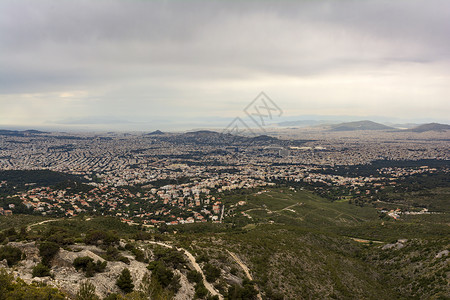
64 276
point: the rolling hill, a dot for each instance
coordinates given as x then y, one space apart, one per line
359 125
431 127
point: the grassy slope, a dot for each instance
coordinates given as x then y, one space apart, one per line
306 251
297 246
18 221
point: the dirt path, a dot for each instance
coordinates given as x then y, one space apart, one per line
191 258
40 223
245 269
289 207
366 241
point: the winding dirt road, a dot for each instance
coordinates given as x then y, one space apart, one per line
40 223
245 269
191 258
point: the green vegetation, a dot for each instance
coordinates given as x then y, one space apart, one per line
88 266
293 241
150 288
212 273
164 276
41 270
11 288
16 221
113 254
125 282
246 291
415 268
58 235
86 291
48 250
138 253
97 237
194 276
12 254
19 180
170 256
101 231
200 290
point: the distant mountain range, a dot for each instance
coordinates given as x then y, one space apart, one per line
20 132
430 127
366 125
359 125
206 136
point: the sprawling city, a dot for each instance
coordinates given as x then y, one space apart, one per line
177 178
160 182
224 150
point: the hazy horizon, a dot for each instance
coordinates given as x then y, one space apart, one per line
147 65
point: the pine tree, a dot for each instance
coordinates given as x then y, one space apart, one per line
125 282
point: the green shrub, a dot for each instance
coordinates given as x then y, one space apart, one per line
194 276
12 254
171 257
86 291
247 291
212 273
10 232
41 270
138 254
47 250
200 291
164 276
113 254
88 266
11 288
112 296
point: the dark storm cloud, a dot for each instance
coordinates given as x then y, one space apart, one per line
161 49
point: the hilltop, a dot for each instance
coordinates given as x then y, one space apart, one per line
156 132
359 125
431 127
213 138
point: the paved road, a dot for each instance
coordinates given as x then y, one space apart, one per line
191 258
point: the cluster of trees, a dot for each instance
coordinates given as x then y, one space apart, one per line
197 279
18 179
246 291
47 251
99 237
139 255
212 273
12 254
88 266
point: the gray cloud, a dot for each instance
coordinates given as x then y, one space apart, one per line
158 55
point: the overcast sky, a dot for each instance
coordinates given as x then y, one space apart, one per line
161 64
